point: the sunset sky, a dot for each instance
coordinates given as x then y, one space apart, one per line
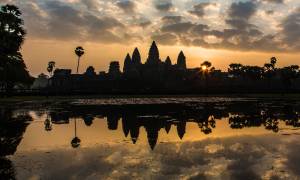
221 31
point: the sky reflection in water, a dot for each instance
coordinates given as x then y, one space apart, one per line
231 140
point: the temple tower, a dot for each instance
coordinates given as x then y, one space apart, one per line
153 57
136 57
127 64
168 61
181 61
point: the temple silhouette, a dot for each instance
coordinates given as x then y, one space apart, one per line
156 76
153 76
156 118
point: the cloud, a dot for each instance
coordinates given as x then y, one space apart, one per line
270 12
238 25
242 157
127 6
163 5
62 21
178 28
199 9
91 4
5 1
291 29
165 38
241 34
293 158
239 14
171 19
242 11
274 1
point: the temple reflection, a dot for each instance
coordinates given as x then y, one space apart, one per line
155 118
135 120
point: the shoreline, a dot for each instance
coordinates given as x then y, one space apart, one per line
17 99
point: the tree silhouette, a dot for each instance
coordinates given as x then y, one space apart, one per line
206 66
90 71
235 70
79 51
273 62
50 67
253 72
12 67
288 74
270 70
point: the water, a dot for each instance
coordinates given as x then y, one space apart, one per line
151 138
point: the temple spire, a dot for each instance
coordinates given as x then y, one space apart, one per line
153 57
181 61
136 57
168 61
127 64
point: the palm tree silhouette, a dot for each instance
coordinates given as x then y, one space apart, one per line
50 68
270 70
205 66
79 51
273 62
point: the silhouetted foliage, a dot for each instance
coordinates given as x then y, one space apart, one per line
7 170
50 67
288 75
79 51
235 70
12 67
206 64
90 71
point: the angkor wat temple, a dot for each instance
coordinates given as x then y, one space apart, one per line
162 77
154 75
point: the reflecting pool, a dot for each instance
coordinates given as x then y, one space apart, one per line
151 138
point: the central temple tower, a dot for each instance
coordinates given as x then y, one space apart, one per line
153 57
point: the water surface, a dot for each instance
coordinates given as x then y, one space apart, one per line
151 138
